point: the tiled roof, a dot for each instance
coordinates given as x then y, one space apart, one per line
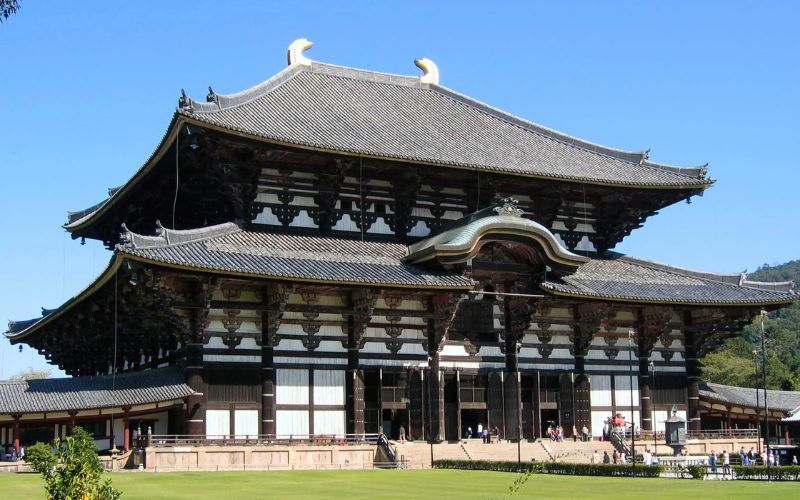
625 278
226 248
346 110
745 396
84 393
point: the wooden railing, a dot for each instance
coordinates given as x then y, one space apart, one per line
163 440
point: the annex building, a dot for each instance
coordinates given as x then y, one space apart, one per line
340 251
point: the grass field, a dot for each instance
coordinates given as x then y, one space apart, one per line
406 484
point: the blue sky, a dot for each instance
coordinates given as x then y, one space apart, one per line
88 89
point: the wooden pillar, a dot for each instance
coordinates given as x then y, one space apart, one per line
443 308
126 425
267 390
692 381
15 432
275 298
71 422
363 303
645 394
195 407
435 400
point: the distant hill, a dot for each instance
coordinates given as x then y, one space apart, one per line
784 272
734 363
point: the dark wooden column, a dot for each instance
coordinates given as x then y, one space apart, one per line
15 432
588 318
443 308
362 302
126 429
195 378
692 381
517 319
71 422
275 298
652 322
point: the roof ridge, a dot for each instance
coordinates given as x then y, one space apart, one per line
165 237
735 279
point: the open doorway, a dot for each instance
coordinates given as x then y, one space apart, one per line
470 419
392 420
549 418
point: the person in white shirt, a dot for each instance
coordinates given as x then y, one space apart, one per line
647 457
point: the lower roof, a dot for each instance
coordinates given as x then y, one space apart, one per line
227 248
746 396
624 278
88 393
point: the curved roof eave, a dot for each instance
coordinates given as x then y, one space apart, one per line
692 184
103 278
782 301
164 144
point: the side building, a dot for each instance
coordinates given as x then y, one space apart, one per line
342 251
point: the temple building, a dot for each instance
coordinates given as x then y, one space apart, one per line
340 251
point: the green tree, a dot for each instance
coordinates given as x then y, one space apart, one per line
71 469
734 363
8 7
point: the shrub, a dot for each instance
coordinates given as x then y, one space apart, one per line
696 471
759 472
551 468
71 469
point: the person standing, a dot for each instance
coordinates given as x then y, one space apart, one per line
712 462
480 430
585 433
595 457
402 433
615 456
606 458
469 432
726 463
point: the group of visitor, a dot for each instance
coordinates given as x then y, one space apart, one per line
10 454
555 432
615 458
483 433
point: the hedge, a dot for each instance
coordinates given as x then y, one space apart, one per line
551 468
759 472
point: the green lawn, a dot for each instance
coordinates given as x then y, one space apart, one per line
405 484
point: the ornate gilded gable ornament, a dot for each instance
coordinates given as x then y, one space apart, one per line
509 206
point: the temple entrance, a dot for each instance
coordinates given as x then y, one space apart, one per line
392 420
549 418
471 419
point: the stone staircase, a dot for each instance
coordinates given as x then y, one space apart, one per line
418 454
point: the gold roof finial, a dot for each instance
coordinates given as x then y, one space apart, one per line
295 52
430 70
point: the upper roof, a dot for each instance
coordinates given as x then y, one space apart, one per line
624 278
778 400
337 109
366 113
85 393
